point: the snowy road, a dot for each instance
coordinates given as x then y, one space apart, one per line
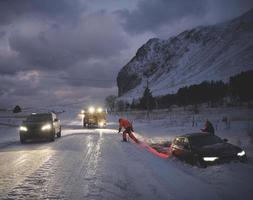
94 164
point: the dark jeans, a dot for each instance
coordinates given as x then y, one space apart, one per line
129 131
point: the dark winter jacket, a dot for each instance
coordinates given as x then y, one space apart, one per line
208 128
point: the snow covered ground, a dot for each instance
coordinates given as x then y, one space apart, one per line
95 164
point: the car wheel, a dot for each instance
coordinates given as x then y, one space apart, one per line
59 133
243 159
52 136
199 162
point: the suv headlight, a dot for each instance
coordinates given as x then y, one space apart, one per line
46 127
23 128
210 159
242 153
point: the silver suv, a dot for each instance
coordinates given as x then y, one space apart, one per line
41 125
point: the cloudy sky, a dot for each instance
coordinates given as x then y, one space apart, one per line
70 51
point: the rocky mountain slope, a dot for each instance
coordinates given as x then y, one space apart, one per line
203 53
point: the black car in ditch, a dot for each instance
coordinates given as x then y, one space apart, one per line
202 149
40 125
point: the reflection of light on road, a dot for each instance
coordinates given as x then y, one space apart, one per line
88 131
100 133
108 131
19 162
89 142
74 131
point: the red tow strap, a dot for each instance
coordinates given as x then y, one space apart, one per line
154 151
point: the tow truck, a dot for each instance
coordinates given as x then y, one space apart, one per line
94 117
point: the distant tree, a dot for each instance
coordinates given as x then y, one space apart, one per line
121 105
166 101
240 86
211 92
182 96
147 101
110 102
218 90
17 109
135 104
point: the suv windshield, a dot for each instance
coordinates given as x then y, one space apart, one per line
39 118
205 140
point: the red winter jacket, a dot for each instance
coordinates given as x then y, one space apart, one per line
124 123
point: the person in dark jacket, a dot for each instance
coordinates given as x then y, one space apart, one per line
208 127
124 123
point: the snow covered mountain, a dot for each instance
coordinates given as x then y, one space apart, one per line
203 53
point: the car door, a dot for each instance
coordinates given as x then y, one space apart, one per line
186 149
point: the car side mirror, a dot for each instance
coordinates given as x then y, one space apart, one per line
56 120
225 140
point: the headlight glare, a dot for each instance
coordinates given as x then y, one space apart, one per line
101 124
242 153
46 127
91 110
99 110
23 128
210 159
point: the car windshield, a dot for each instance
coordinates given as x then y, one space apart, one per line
39 118
205 140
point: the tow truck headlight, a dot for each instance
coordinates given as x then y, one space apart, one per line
242 153
210 159
99 110
91 110
23 128
101 124
46 127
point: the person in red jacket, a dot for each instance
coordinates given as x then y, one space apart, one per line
124 123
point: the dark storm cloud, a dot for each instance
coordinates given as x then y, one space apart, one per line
97 36
67 57
2 34
100 74
10 64
152 14
24 33
19 85
220 10
43 51
11 10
